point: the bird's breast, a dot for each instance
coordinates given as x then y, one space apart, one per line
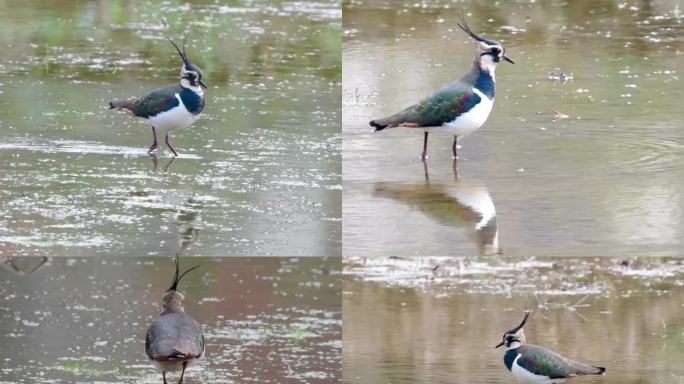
175 118
524 376
193 102
473 119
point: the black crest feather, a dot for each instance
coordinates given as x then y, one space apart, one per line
181 52
178 276
522 324
464 26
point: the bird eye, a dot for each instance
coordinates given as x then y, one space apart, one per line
496 51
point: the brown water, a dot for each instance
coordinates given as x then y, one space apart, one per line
258 174
607 180
83 320
437 320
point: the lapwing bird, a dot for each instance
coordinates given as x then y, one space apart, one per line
174 340
459 108
171 108
531 364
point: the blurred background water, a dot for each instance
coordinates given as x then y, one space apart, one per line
258 174
582 153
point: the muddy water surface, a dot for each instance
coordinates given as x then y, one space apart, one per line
586 166
258 174
437 320
265 320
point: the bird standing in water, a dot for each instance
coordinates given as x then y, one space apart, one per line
531 364
174 341
170 108
459 108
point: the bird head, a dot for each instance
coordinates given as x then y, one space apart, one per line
516 336
489 52
190 75
172 300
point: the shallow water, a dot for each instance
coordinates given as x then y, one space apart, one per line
258 174
83 320
437 320
602 178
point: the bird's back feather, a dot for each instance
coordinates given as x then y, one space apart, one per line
151 105
543 361
443 106
174 336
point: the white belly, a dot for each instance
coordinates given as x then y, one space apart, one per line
176 118
524 377
472 120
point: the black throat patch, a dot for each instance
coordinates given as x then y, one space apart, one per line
485 83
509 358
192 101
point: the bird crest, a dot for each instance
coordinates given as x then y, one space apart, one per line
487 48
181 52
466 28
178 276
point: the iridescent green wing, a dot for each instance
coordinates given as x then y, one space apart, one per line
156 102
545 362
441 107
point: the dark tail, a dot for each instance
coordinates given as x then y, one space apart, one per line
378 126
601 371
119 104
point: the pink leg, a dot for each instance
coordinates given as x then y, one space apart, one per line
169 145
154 143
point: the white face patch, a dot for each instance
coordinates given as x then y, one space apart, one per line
488 64
513 345
487 53
185 83
185 71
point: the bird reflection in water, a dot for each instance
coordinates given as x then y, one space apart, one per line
22 265
461 203
186 231
155 163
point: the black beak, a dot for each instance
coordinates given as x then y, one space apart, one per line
508 59
202 84
499 345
